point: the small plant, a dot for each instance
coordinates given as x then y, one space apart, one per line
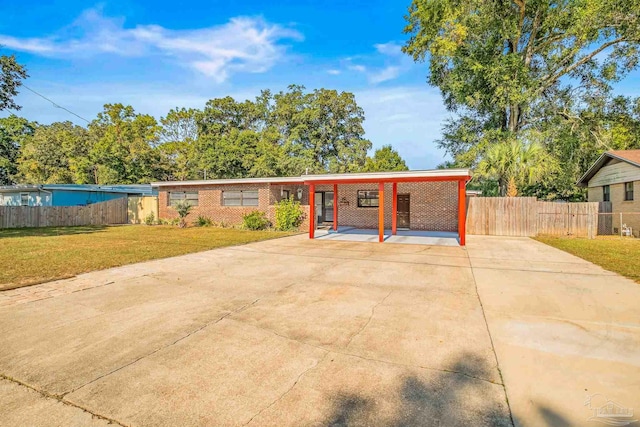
150 219
183 208
203 221
289 214
255 220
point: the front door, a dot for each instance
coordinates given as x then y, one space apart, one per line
324 206
403 215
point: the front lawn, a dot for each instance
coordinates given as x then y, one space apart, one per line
621 255
35 255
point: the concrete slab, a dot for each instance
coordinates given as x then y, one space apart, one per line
563 329
324 332
21 406
412 237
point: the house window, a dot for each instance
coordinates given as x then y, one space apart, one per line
606 193
240 198
368 199
178 196
628 190
24 199
285 194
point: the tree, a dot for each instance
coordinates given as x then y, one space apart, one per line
385 159
13 132
178 138
49 156
514 164
509 67
11 76
123 146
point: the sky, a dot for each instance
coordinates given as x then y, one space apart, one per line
160 55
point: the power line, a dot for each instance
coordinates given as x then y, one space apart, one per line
54 104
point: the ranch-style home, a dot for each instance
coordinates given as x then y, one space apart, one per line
615 178
427 200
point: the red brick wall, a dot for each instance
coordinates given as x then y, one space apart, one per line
434 205
210 202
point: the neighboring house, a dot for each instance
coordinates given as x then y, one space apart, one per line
615 178
413 200
67 194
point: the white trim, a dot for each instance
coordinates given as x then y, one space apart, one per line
454 173
433 173
274 180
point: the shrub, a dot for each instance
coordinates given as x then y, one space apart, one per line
183 208
255 220
203 221
150 219
289 214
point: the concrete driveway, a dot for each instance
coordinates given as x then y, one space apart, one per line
299 332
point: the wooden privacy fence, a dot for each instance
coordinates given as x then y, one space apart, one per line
103 213
527 216
140 207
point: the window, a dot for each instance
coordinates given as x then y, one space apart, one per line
368 199
628 190
606 193
189 196
285 195
24 199
240 198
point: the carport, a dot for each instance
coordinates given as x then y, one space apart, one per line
458 176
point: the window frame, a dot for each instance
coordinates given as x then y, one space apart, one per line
172 201
242 199
367 197
606 193
628 193
21 201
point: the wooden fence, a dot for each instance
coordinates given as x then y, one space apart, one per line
526 216
103 213
140 207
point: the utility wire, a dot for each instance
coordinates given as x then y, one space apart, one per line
54 104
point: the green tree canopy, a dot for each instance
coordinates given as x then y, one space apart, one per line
11 76
385 159
13 132
507 68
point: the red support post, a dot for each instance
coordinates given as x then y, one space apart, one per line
462 211
335 207
381 212
312 210
394 209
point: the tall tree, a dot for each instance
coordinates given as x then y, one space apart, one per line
13 132
506 67
123 145
177 149
11 76
385 159
48 156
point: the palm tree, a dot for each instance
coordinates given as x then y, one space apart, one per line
514 163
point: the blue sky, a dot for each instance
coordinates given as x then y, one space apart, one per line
159 55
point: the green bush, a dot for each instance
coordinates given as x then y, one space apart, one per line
203 221
165 221
289 214
255 220
150 219
183 208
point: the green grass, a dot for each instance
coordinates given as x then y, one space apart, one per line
617 254
36 255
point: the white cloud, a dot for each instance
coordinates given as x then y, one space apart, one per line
388 73
390 48
333 72
244 44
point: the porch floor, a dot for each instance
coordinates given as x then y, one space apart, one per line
414 237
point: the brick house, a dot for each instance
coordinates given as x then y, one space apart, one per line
431 200
614 180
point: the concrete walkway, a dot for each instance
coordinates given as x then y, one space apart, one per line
300 332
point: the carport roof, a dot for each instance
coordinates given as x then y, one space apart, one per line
398 176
